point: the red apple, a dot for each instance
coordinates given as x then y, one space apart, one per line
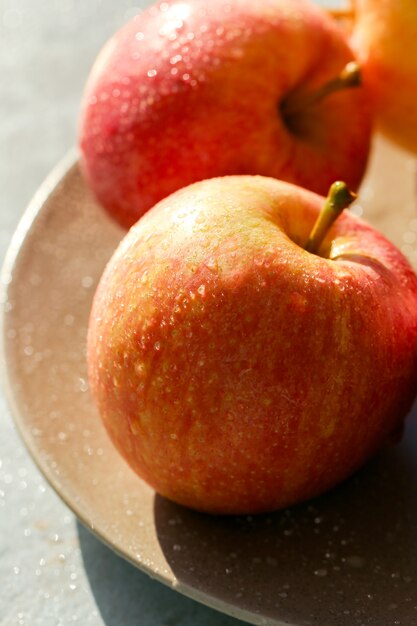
385 35
191 89
237 372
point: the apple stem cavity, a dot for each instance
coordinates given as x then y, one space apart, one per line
349 77
338 199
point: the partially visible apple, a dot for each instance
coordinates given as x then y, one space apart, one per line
385 35
235 371
191 89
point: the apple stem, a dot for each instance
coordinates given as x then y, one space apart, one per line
338 199
349 77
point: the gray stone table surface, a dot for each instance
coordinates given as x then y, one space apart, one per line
53 572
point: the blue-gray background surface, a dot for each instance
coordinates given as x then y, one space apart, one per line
52 571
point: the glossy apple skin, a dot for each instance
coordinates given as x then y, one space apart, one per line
238 373
385 37
192 90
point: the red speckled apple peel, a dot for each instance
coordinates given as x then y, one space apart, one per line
195 91
237 372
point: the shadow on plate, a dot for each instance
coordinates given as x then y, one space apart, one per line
349 557
126 596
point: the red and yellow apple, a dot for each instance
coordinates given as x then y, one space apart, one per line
385 36
237 372
190 90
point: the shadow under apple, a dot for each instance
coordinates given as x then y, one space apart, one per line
125 596
348 557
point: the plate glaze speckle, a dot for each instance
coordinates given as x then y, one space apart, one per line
347 558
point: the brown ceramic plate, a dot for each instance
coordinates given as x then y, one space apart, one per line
349 557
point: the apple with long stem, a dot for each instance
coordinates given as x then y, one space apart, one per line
192 90
385 36
238 372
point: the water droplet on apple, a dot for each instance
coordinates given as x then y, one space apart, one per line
157 345
202 290
175 59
